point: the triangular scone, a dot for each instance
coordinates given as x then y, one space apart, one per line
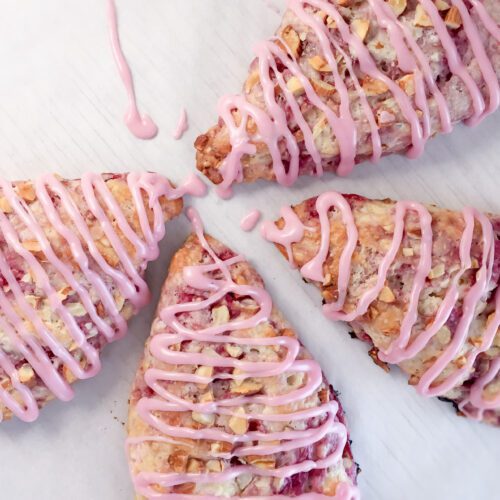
72 257
348 80
226 402
418 283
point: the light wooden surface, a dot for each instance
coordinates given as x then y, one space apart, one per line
61 108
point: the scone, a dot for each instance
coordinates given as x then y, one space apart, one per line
72 258
227 402
420 284
348 80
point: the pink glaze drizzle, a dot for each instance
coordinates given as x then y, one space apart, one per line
142 126
182 125
406 346
252 442
17 312
250 220
272 123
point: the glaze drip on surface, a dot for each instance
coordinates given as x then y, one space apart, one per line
277 66
406 346
20 320
142 126
199 278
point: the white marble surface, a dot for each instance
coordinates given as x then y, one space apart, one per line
61 108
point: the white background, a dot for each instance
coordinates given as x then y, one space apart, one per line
61 109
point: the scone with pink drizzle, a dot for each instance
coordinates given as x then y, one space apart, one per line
419 283
72 258
348 80
227 402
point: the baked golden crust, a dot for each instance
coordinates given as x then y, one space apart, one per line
381 324
34 285
150 453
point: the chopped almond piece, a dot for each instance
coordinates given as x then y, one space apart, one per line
398 6
422 19
262 461
26 373
194 465
374 87
441 5
207 419
408 252
247 387
360 27
319 64
453 18
407 83
220 315
437 271
26 191
214 466
322 88
32 245
238 424
205 371
291 38
235 351
5 206
295 86
387 295
252 80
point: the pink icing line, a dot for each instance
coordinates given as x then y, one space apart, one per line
401 349
182 125
486 19
13 324
165 401
250 220
272 124
142 126
292 232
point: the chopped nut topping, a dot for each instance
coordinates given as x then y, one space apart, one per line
322 88
194 465
437 271
178 460
252 80
295 86
220 315
207 419
387 295
237 424
408 252
444 335
422 19
5 206
235 351
291 38
26 191
373 87
441 5
319 64
453 18
32 246
247 387
407 83
360 27
205 371
76 309
26 373
398 6
261 461
214 466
